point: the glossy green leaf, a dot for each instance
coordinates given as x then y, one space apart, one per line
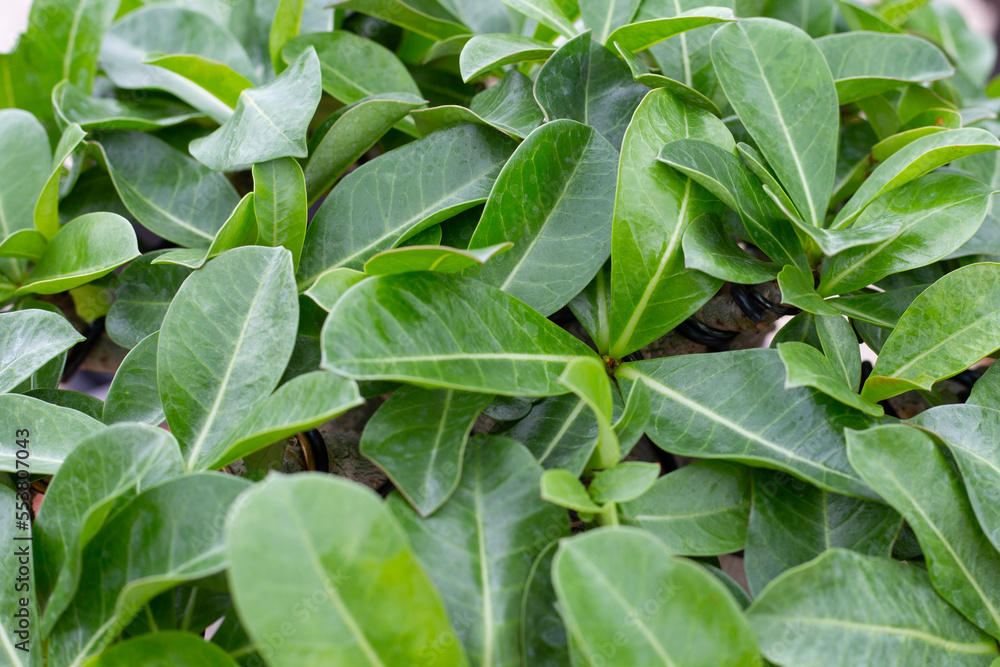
860 16
286 25
484 53
276 115
134 395
560 431
418 438
808 367
624 482
331 285
86 248
479 547
509 106
798 289
239 358
286 519
47 207
562 488
587 377
660 610
280 205
949 327
641 35
239 230
25 166
55 431
792 522
165 649
30 338
554 200
169 193
141 298
698 510
424 18
882 309
72 105
23 244
602 18
709 248
651 291
548 13
796 430
585 82
838 610
642 75
460 334
431 258
444 174
216 78
75 400
915 160
907 468
351 135
778 82
130 458
137 555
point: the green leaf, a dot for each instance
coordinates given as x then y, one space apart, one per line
280 205
543 635
276 116
641 35
905 466
55 431
868 63
142 295
238 357
796 430
642 75
418 438
484 53
816 17
47 207
651 291
604 17
72 105
692 620
709 248
883 309
839 609
286 25
130 458
792 522
460 334
331 285
165 649
75 400
547 12
624 482
915 160
932 216
240 230
424 18
808 367
859 16
798 289
15 507
479 547
430 258
351 135
164 29
561 432
30 338
85 249
949 327
553 199
169 193
137 555
698 510
134 395
509 106
840 345
25 166
217 79
562 488
780 86
23 244
585 82
443 174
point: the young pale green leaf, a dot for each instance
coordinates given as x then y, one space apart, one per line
171 30
167 647
72 105
286 519
85 249
23 244
778 82
130 458
930 218
808 367
418 438
840 345
623 482
603 17
796 430
585 82
141 298
838 611
561 432
548 13
281 205
698 510
55 431
564 489
908 469
950 326
792 522
169 193
479 547
331 285
214 371
651 291
860 16
136 555
798 289
441 175
430 258
641 35
915 160
428 19
868 63
587 377
30 338
554 200
460 334
134 395
270 121
485 53
217 79
694 622
286 25
709 248
351 135
642 75
239 230
47 207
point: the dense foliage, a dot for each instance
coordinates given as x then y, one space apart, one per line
520 257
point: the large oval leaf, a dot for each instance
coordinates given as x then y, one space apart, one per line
134 395
55 431
25 163
30 338
165 648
